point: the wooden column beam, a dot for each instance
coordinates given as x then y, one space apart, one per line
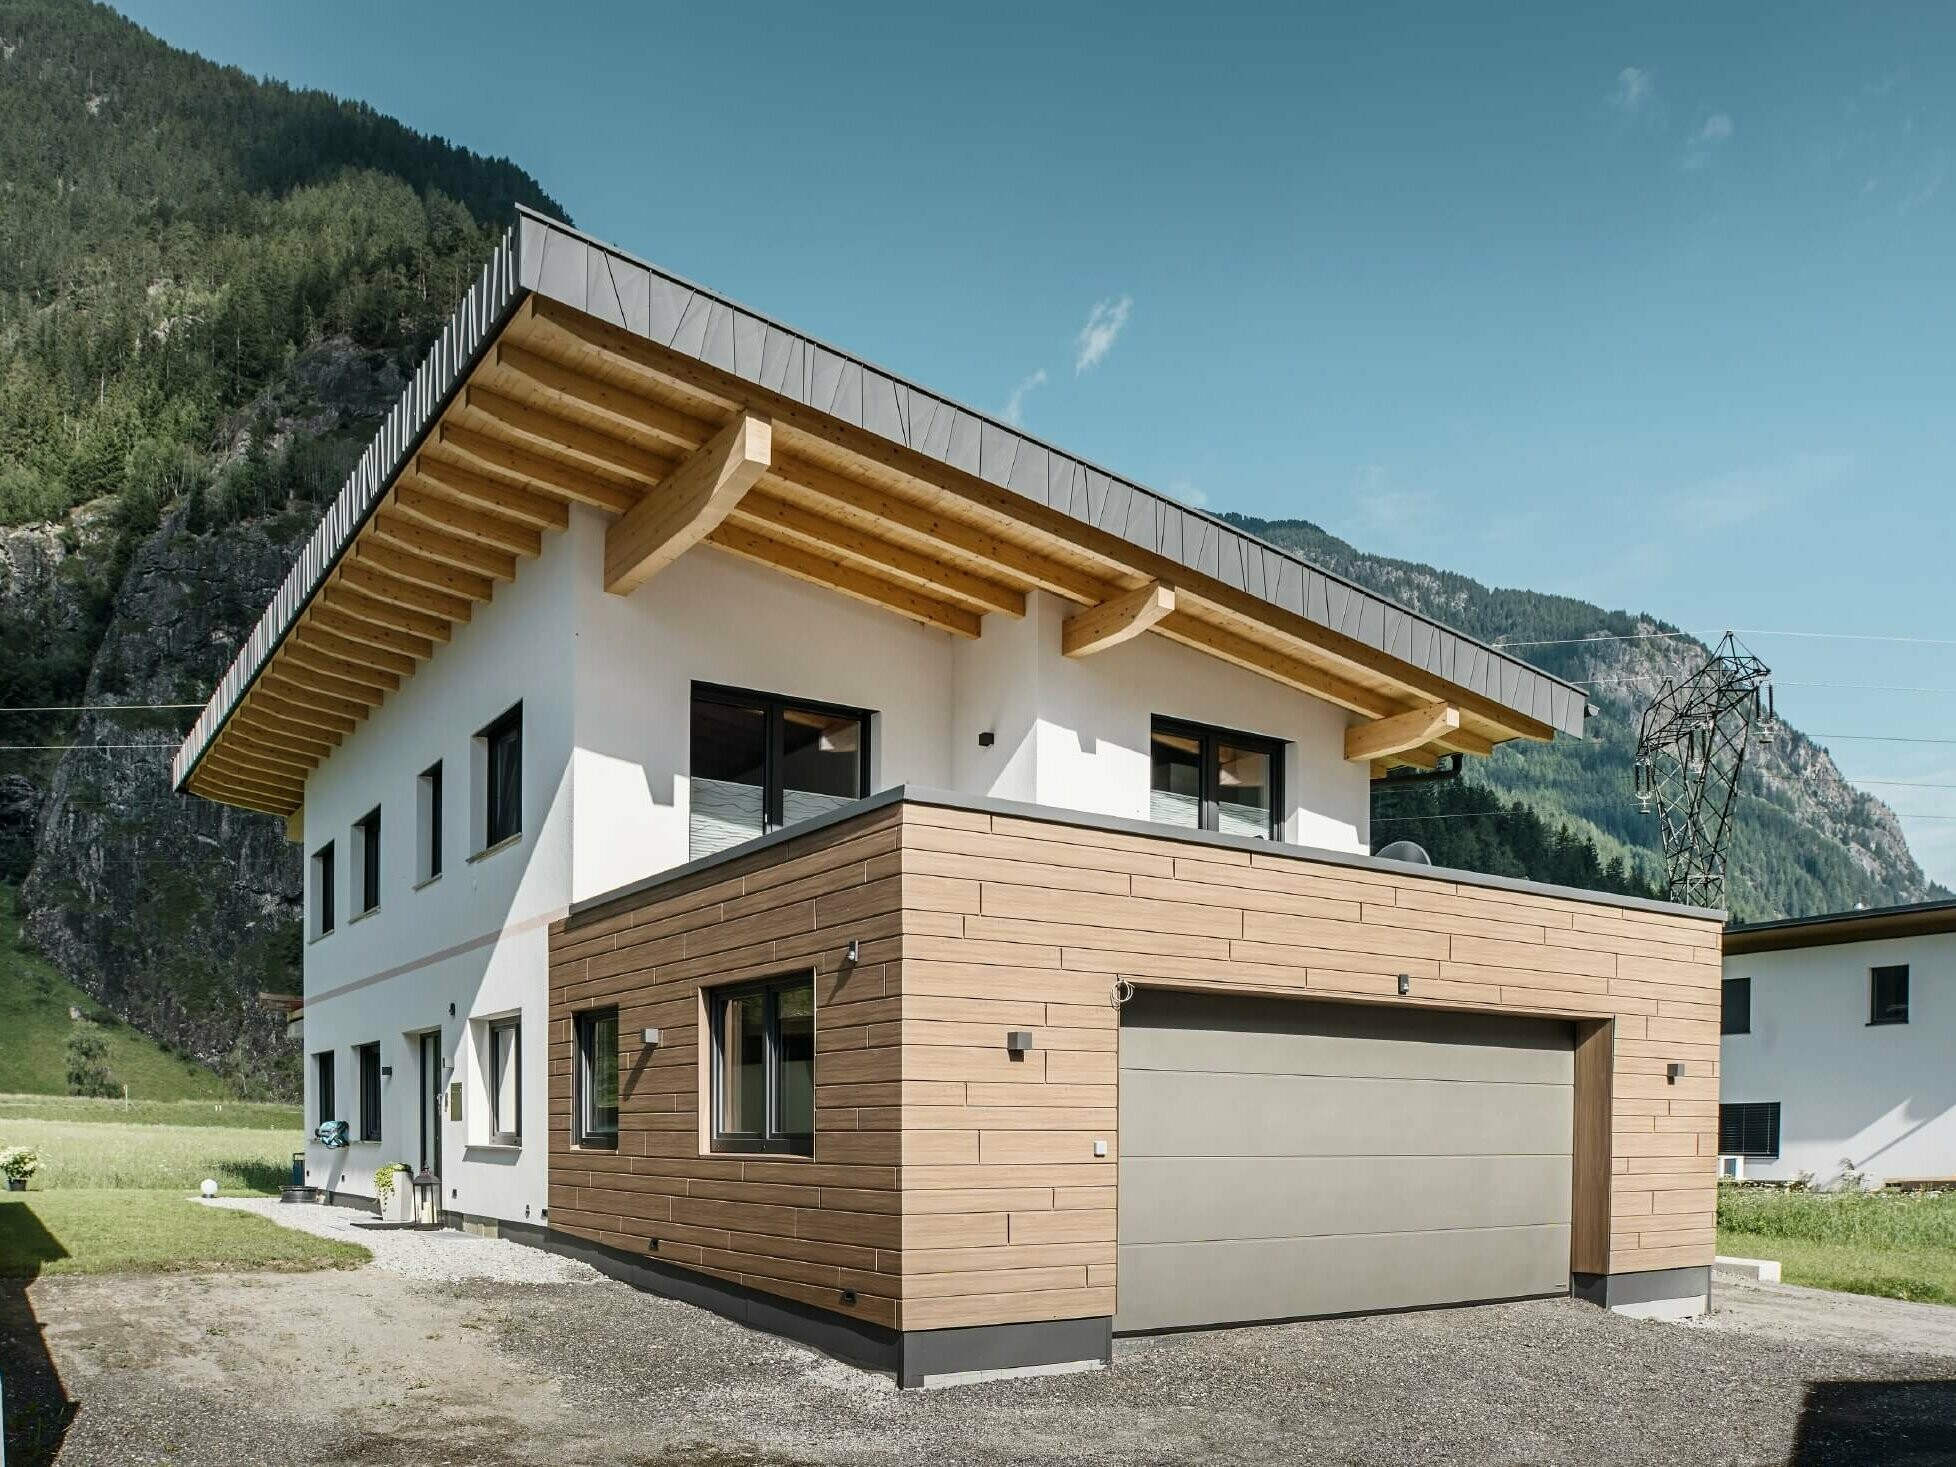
1113 622
1401 732
689 503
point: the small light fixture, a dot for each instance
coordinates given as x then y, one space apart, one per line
427 1198
1018 1043
1673 1072
1100 1148
451 1011
651 1037
651 1245
386 1072
987 739
855 952
848 1296
1405 984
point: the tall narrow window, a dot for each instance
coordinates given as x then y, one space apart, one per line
1735 1012
366 860
501 749
322 890
597 1078
1749 1130
324 1102
428 847
506 1081
1211 779
761 762
1888 995
369 1056
764 1067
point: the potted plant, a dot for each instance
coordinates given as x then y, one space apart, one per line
391 1190
17 1164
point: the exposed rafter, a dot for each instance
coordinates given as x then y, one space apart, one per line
1402 731
689 505
1114 622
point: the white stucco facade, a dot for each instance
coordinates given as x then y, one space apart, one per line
605 687
1879 1099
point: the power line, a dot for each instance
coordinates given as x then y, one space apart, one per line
1740 631
1880 738
21 748
99 707
1656 677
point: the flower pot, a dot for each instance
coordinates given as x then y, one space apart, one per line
399 1206
16 1184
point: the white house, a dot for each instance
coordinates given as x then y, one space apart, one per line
781 835
1838 1036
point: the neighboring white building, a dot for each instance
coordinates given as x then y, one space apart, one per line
1838 1050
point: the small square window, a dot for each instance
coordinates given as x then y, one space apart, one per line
1749 1130
322 890
1888 995
369 1057
1735 1013
597 1079
366 860
506 1082
764 1066
428 802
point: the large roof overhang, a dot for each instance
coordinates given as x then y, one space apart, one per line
573 374
1866 924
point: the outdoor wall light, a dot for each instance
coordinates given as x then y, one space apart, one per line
651 1037
987 739
1018 1043
1674 1072
855 952
1405 984
386 1072
451 1011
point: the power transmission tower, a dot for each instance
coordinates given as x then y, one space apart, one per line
1691 746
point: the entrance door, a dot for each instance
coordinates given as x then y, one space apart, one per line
431 1089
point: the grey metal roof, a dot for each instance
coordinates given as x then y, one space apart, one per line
1861 924
541 256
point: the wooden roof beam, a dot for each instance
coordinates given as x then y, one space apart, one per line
481 526
278 682
688 505
560 438
539 471
404 564
824 570
335 675
1290 671
1400 732
322 721
636 416
374 596
321 632
395 528
1120 620
465 486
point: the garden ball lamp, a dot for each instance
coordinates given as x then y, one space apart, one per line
208 1187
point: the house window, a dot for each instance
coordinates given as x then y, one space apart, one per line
499 749
506 1082
1888 995
764 1067
322 1086
366 860
322 890
369 1057
428 846
1735 1012
1211 779
1749 1130
761 762
597 1078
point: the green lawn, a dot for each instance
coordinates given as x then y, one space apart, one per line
1901 1245
236 1115
34 1027
90 1155
122 1231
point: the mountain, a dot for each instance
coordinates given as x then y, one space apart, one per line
211 289
1803 839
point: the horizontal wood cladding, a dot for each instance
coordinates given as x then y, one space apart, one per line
1012 922
955 1184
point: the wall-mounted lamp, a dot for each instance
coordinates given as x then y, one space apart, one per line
1405 984
386 1072
651 1037
987 739
451 1011
1018 1043
1673 1072
854 954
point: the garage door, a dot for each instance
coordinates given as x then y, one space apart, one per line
1282 1159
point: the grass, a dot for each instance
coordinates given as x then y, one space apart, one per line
122 1231
236 1115
88 1155
34 1024
1899 1245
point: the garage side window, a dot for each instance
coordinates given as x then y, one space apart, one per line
1749 1130
764 1066
1211 779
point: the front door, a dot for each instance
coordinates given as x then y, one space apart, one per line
431 1094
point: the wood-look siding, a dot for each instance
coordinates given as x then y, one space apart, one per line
953 1184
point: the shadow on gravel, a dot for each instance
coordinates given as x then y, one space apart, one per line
1897 1423
38 1411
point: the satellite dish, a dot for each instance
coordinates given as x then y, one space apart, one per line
1405 850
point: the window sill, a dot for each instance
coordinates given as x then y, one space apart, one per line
363 916
494 1146
502 845
427 881
759 1153
1886 1023
320 936
593 1145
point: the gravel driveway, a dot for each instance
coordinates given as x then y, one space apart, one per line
376 1366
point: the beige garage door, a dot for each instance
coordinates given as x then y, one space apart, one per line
1281 1159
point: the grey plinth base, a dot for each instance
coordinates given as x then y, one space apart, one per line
1659 1293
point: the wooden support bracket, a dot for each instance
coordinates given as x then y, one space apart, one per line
688 505
1113 622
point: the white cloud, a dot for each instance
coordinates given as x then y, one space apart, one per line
1712 134
1635 89
1096 338
1015 404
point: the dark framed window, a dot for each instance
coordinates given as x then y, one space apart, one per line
1888 994
366 837
322 1086
764 1066
1735 1006
506 1081
429 792
596 1104
760 762
1213 779
322 890
369 1058
1749 1130
502 796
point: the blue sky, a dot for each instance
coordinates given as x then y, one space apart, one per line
1650 308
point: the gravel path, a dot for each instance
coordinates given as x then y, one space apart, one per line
445 1257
